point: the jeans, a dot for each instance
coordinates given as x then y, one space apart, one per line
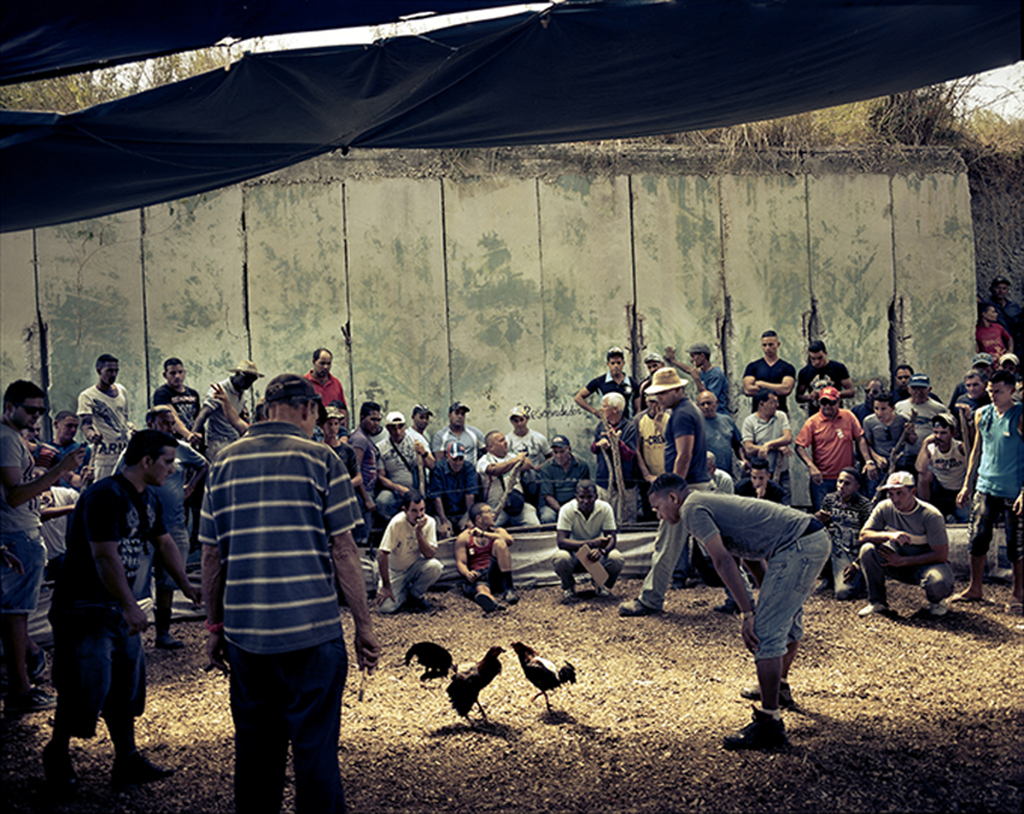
789 580
936 578
547 514
820 490
288 697
414 581
845 590
20 592
668 545
566 564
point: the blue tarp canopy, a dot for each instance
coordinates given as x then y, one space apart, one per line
50 37
588 70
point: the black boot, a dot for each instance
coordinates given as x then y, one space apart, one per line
765 732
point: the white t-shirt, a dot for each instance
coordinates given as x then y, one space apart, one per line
109 415
494 485
401 545
534 444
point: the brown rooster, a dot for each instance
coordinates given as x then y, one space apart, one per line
542 673
467 679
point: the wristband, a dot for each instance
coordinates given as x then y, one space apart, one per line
214 628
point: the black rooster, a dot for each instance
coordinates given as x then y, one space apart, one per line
542 673
467 679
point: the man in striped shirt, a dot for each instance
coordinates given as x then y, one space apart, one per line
277 533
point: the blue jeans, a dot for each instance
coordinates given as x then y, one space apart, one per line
288 697
820 490
789 580
668 546
19 593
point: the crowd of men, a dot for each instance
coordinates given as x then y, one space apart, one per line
297 509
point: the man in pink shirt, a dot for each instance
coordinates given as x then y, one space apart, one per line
825 444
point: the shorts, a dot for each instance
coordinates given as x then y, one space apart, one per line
98 668
19 593
493 578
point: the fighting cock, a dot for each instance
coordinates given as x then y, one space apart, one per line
542 673
467 679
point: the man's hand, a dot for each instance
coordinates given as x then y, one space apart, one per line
670 355
816 476
472 577
1018 505
747 632
383 594
444 529
71 461
13 562
603 444
963 497
851 571
419 448
367 650
216 652
760 491
193 594
368 503
825 518
900 538
420 523
890 559
136 619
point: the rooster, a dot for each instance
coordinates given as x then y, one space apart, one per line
542 673
467 679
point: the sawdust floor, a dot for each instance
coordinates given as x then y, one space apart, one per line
904 714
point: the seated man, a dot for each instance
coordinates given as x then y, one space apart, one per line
941 469
495 473
607 487
721 481
484 561
408 565
904 539
399 465
536 447
767 434
586 521
721 434
844 513
760 484
453 489
558 478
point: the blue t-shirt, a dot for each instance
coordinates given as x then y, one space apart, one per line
686 419
1001 471
714 381
721 433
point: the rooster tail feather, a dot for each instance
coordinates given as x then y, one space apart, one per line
567 675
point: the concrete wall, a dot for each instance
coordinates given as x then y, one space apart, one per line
502 276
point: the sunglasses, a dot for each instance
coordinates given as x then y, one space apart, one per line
827 401
36 411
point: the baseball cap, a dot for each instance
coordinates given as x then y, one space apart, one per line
945 420
1009 357
700 347
455 449
420 409
456 406
897 479
828 393
654 357
982 359
919 380
561 441
519 411
615 352
289 386
394 417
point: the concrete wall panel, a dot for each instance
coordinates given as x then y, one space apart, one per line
397 288
587 288
935 275
678 264
296 273
90 284
494 297
852 269
195 294
19 326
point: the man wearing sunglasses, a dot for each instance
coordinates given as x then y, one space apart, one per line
21 542
825 444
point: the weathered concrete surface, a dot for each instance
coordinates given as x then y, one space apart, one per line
398 299
91 298
195 288
498 277
19 327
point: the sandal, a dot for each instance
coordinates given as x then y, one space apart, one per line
1015 608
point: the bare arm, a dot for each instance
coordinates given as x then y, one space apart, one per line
972 464
729 571
17 493
349 574
213 590
171 557
581 399
684 451
111 573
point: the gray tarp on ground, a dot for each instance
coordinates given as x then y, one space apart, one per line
576 72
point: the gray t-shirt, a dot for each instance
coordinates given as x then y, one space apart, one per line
13 452
752 529
925 525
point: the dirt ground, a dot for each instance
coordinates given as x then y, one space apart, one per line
901 714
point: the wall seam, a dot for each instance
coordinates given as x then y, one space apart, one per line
634 351
811 331
44 351
346 329
540 267
447 312
145 304
245 292
895 310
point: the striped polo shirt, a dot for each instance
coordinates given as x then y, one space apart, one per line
273 500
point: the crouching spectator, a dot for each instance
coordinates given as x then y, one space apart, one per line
408 565
844 513
586 521
904 539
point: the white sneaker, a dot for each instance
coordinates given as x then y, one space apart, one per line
602 591
872 608
569 595
938 609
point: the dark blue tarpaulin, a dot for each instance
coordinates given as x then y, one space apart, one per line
586 71
47 37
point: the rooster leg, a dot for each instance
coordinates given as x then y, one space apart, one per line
481 708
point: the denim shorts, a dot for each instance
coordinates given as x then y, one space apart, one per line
98 668
20 592
790 578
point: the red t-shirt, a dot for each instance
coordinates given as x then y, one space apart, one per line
993 340
830 442
332 391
